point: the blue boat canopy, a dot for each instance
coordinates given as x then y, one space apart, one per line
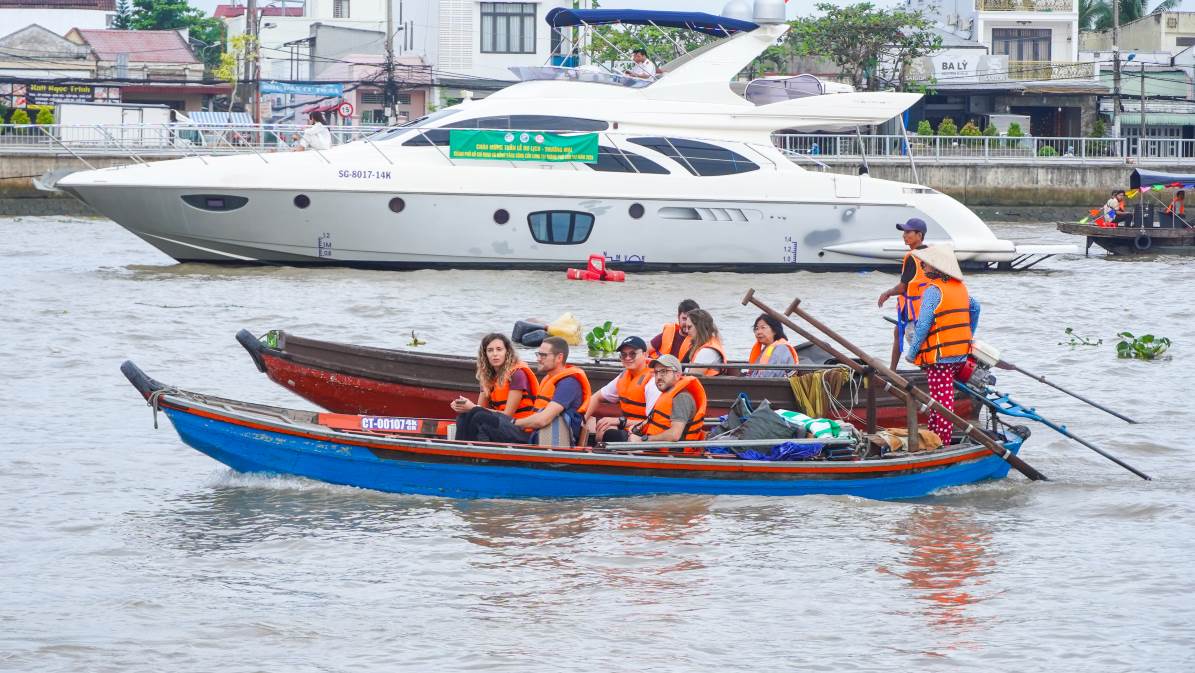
710 24
1141 178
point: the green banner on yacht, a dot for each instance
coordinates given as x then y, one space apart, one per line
523 146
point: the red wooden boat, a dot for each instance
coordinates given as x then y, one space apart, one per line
350 379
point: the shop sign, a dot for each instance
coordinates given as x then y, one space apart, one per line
50 94
523 146
303 89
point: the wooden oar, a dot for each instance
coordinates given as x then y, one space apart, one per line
1004 364
894 383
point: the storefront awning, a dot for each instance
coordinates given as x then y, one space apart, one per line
206 118
1158 118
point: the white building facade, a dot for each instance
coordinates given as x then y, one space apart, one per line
1031 33
57 16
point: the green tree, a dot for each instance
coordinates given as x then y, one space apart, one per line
924 128
124 16
45 116
231 63
1099 129
19 116
1014 131
947 127
990 130
176 14
859 38
970 130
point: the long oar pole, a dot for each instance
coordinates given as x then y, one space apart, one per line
894 383
1060 429
1004 364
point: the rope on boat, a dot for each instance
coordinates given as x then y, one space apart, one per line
155 401
817 391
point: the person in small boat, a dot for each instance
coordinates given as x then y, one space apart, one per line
508 386
563 391
674 338
946 322
1117 210
908 290
707 348
1178 206
771 348
679 413
633 390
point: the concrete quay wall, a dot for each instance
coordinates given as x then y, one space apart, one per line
1031 183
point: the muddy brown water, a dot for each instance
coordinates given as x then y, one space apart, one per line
124 550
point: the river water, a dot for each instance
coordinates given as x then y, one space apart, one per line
124 550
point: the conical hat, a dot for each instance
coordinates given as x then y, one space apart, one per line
942 258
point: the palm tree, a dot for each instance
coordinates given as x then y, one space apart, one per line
1100 11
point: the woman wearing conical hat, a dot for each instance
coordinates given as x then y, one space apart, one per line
946 321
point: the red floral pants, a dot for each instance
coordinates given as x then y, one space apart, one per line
941 388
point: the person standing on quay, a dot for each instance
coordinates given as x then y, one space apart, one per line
946 322
908 290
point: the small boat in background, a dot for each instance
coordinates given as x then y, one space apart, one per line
367 380
412 456
1160 223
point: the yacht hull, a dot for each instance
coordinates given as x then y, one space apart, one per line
477 230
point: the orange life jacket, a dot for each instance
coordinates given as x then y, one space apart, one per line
715 344
908 303
660 418
950 334
1182 206
548 386
758 351
632 394
669 344
501 392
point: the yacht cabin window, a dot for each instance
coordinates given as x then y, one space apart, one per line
615 160
560 227
697 157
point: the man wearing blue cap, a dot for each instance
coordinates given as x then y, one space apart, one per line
908 290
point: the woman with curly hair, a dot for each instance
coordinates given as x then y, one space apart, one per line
508 385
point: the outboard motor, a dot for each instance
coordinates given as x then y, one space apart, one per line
977 368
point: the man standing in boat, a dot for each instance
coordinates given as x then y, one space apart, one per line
563 392
675 338
946 321
634 390
908 290
679 413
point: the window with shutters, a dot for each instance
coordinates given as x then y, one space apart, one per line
508 27
340 9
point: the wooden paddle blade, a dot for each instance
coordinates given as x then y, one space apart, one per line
747 297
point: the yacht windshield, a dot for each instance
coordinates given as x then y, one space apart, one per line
425 120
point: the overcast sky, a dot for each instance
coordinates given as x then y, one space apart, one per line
794 7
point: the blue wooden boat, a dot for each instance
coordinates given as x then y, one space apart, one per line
407 455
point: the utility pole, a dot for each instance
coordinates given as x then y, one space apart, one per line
390 97
1141 126
1116 68
252 68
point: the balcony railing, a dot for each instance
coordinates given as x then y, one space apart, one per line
1047 70
1026 5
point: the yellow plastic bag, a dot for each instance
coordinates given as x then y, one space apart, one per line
566 327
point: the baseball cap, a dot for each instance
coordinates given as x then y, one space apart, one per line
914 224
667 362
632 342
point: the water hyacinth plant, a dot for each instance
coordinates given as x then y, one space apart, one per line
603 339
1074 339
1144 347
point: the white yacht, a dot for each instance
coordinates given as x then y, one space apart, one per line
686 178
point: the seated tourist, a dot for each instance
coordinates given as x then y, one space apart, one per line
563 392
508 386
707 348
771 348
674 338
633 390
679 412
1117 211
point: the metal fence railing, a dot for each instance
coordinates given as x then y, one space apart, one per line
828 148
161 139
820 149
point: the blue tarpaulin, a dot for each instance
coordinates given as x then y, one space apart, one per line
698 21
